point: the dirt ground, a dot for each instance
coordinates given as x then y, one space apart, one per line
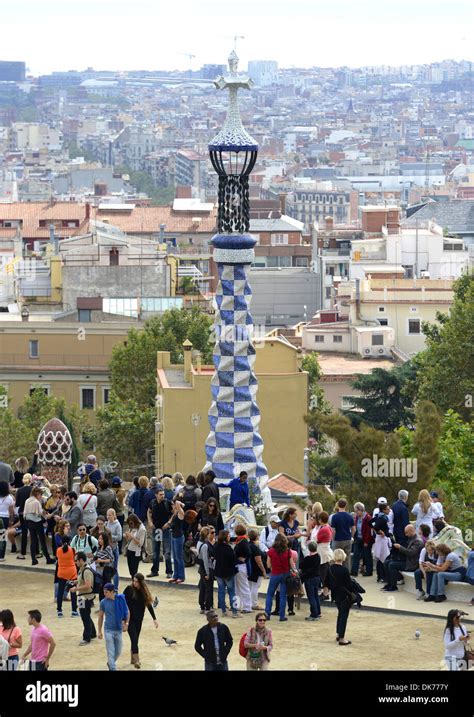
298 645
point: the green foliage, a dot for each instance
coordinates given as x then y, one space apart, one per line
125 430
383 403
143 182
133 367
446 367
425 442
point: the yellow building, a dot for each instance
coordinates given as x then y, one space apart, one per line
69 361
184 398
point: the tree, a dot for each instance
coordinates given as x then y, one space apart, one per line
133 365
125 430
446 374
383 403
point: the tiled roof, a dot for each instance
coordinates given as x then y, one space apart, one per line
283 483
457 215
31 213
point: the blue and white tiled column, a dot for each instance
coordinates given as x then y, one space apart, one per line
234 443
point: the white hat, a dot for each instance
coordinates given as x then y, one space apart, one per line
382 501
274 519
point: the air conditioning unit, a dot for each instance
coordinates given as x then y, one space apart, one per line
381 351
367 352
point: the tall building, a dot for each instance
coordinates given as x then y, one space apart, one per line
12 71
263 72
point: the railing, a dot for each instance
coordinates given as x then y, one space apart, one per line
49 360
189 271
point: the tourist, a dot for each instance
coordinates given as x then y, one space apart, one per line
191 493
178 484
447 569
205 561
120 494
210 514
84 590
382 503
289 527
13 635
258 643
106 498
73 513
34 516
201 480
22 467
67 572
343 526
424 511
427 555
213 643
114 529
22 495
210 488
290 595
159 518
281 565
63 530
455 638
135 537
7 515
87 501
53 502
310 575
269 533
409 559
153 486
41 645
424 532
99 526
339 581
224 570
401 517
242 555
13 531
130 493
138 597
91 470
177 542
323 541
114 608
168 487
239 490
436 505
83 542
382 543
363 541
104 560
257 567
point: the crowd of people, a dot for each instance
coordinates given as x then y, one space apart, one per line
178 522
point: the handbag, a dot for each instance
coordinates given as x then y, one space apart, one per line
293 581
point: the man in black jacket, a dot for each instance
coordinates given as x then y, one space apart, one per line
410 558
213 643
210 489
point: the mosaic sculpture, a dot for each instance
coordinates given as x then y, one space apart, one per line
54 451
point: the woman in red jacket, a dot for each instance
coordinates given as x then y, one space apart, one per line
67 572
363 541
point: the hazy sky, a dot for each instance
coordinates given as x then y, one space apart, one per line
153 34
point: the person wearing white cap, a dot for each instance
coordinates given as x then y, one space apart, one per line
382 501
269 533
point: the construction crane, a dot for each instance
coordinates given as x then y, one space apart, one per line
191 58
235 38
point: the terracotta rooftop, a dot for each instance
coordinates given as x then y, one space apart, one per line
285 484
336 364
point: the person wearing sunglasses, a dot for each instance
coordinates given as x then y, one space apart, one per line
258 643
211 515
205 561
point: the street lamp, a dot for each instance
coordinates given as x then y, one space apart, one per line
195 420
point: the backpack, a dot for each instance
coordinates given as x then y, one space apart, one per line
243 651
189 498
98 580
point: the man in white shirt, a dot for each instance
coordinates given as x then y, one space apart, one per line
268 534
437 506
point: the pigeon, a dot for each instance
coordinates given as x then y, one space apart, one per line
417 634
169 641
156 602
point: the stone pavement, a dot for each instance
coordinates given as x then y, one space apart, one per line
400 602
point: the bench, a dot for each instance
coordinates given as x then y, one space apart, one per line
456 592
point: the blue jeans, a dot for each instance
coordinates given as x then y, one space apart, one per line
178 557
155 568
393 567
113 645
213 667
419 580
275 581
311 587
116 559
361 552
437 584
222 584
4 523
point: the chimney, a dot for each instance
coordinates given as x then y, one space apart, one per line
187 349
329 223
282 198
88 210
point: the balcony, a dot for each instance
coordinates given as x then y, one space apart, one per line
335 252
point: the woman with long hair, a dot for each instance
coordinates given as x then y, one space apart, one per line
224 570
281 564
22 466
455 637
12 634
424 511
114 529
168 487
138 598
63 529
289 527
257 567
104 559
135 537
258 643
51 504
67 572
178 482
323 541
88 502
210 515
7 515
177 542
243 555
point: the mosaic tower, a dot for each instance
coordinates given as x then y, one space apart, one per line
234 443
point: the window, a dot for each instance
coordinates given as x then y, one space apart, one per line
337 339
414 326
105 394
328 292
39 387
279 239
87 397
319 339
377 339
34 348
301 261
381 308
408 272
346 402
84 316
383 322
114 257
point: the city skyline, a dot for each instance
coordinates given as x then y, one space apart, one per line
303 34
